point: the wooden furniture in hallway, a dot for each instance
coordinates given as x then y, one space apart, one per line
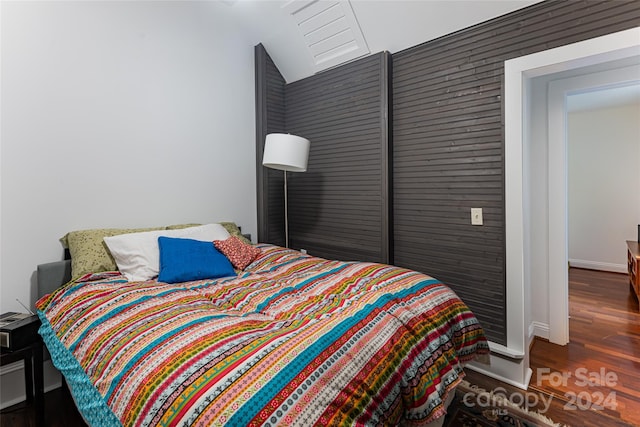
633 265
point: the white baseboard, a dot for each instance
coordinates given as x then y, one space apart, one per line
501 375
596 265
538 329
11 367
12 391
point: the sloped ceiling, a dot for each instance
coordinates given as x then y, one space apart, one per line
391 25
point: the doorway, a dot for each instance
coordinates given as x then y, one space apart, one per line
559 87
536 212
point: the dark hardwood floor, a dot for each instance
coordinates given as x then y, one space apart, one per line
605 339
600 367
60 411
599 370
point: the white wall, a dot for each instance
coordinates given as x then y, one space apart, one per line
537 202
604 185
118 114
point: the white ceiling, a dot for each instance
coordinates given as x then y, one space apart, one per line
386 25
605 98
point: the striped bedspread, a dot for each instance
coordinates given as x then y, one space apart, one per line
293 340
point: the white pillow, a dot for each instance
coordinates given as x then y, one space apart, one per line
138 255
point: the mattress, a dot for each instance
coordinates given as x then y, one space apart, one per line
292 340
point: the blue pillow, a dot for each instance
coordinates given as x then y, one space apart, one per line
183 260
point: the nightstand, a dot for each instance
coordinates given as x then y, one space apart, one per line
29 349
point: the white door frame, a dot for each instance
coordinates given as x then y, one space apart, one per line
518 72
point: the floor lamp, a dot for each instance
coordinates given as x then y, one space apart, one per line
288 153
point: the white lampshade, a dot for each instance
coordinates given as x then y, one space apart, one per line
286 152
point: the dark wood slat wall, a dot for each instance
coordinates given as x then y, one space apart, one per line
448 143
448 150
270 118
339 208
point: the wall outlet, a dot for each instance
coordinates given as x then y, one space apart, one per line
476 216
304 251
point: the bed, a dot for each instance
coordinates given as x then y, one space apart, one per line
288 339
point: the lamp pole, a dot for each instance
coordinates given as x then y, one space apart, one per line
286 212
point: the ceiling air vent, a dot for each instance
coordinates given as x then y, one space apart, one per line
330 30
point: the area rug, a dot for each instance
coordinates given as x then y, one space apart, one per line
476 407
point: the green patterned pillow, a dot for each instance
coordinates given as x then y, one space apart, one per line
89 253
234 230
179 226
231 227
